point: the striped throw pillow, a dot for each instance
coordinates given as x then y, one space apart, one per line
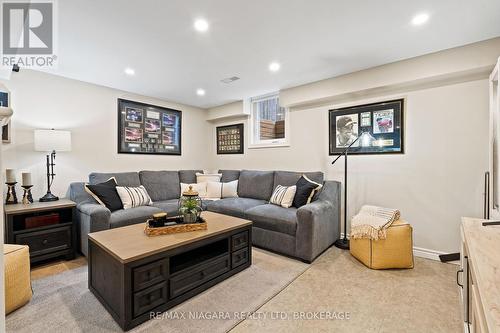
133 196
283 196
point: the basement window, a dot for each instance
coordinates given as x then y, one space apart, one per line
269 122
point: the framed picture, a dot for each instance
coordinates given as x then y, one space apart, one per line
383 121
230 139
148 129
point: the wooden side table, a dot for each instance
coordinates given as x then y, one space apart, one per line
46 227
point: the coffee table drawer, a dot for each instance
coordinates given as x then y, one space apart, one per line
150 274
150 298
191 278
239 240
46 241
239 257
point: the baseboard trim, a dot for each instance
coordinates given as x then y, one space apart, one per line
422 252
427 253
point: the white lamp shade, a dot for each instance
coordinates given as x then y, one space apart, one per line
49 140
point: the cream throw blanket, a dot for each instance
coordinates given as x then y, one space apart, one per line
372 222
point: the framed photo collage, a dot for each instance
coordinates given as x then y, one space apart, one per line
148 129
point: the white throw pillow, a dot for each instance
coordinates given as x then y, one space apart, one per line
201 188
230 189
283 196
217 190
214 190
133 196
213 177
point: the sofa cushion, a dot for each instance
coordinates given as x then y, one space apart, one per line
161 185
122 178
124 217
229 175
168 206
188 176
234 206
289 178
256 184
274 218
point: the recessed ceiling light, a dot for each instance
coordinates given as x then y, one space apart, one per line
129 71
200 92
420 19
274 66
201 25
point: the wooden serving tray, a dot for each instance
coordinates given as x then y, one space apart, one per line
173 229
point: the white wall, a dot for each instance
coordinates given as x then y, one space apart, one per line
89 111
438 179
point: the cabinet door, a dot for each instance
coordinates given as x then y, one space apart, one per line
478 320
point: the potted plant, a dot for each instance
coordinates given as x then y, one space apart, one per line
190 206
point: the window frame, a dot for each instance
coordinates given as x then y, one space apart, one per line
253 142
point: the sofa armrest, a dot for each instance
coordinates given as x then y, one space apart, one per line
318 223
97 215
91 217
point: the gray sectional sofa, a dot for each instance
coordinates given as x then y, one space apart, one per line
302 233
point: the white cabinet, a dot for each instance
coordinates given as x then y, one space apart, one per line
494 145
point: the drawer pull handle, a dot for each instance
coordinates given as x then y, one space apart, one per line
44 242
458 272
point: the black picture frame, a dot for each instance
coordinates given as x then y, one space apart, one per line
230 143
148 129
383 120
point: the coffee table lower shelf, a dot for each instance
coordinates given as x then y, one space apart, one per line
134 291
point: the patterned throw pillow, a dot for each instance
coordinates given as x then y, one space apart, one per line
283 196
133 196
105 194
306 189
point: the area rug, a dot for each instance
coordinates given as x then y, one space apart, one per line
63 303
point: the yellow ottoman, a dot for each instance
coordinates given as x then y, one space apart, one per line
396 251
17 276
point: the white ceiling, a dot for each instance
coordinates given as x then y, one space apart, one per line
312 39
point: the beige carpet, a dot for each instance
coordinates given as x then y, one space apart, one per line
423 299
62 303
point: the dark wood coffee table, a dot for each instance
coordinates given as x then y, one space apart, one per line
134 275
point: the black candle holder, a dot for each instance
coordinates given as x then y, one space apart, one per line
27 197
11 197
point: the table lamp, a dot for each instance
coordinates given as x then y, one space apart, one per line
51 141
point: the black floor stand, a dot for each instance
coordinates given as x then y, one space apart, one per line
342 243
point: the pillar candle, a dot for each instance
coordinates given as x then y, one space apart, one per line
27 179
10 176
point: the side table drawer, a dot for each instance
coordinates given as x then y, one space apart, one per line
239 257
46 241
150 274
239 241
